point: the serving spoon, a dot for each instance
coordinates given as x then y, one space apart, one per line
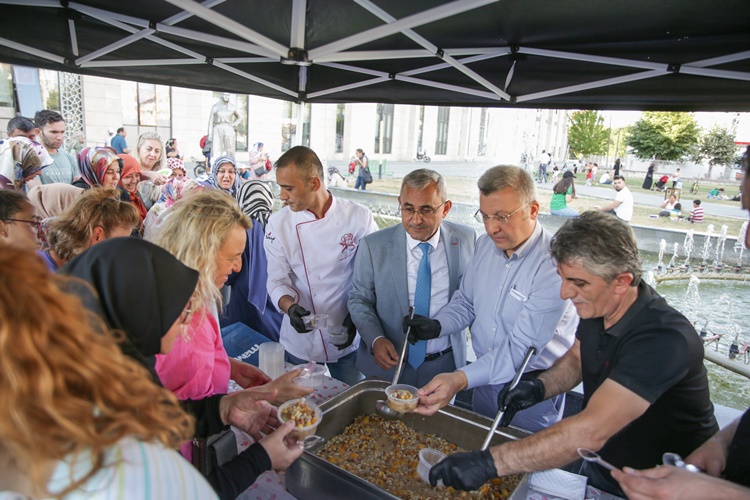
381 406
513 385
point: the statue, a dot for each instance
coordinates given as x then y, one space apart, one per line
222 127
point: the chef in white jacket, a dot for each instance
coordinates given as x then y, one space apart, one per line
311 243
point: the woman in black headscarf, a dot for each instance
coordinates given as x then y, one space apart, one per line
142 291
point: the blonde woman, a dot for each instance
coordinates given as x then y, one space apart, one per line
152 158
208 232
79 419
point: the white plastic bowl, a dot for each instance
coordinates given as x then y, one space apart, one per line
301 432
427 458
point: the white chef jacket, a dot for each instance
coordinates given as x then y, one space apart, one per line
312 260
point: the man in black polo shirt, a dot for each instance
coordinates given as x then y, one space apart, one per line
723 457
641 363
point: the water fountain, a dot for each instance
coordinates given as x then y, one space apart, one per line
740 245
720 248
688 245
662 248
673 261
692 294
706 251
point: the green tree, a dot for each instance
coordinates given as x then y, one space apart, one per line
587 134
664 136
718 147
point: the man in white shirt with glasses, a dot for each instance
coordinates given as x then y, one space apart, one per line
387 279
509 297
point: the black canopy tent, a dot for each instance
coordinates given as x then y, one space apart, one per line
672 55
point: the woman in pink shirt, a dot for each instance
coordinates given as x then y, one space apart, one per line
207 232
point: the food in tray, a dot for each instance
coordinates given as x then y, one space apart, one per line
386 453
402 398
306 417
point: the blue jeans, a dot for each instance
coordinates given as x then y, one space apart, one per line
565 212
360 182
543 172
344 369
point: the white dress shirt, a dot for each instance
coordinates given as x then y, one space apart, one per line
439 293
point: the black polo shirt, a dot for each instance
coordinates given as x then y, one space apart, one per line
656 353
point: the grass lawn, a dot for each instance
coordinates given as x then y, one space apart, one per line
731 188
464 190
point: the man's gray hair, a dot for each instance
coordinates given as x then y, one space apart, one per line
423 177
602 243
508 176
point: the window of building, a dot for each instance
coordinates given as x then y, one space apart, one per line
484 121
6 86
340 108
420 132
49 84
289 116
384 122
441 144
240 103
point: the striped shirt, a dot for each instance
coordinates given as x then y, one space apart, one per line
696 215
133 469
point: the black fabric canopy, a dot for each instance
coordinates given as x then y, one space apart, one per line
672 55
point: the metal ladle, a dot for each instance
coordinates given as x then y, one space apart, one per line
381 406
513 385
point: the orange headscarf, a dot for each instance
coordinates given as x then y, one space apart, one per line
129 166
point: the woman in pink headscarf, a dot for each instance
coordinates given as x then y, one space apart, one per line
98 167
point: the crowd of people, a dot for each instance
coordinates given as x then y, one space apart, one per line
118 337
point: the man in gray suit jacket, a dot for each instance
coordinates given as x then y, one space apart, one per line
385 276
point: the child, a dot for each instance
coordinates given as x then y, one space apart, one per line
589 176
696 214
676 212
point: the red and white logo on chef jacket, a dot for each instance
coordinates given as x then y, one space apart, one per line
348 246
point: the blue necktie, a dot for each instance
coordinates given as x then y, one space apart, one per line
422 294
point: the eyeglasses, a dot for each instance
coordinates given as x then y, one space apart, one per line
423 212
187 314
35 223
502 219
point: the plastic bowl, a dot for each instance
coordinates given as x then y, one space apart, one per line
301 431
337 335
315 321
402 405
427 458
310 377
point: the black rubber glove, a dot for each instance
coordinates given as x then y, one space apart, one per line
465 471
422 328
296 312
351 332
528 392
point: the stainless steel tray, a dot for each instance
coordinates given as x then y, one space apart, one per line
312 477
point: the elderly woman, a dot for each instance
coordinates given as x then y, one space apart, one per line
175 189
170 285
21 159
97 215
98 167
98 426
129 179
150 154
224 175
249 303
